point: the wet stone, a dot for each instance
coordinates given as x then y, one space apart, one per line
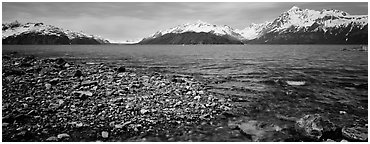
313 126
355 133
121 69
78 73
54 81
63 135
53 138
88 83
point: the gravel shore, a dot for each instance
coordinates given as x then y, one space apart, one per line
57 100
53 99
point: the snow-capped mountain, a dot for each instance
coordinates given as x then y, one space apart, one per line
309 26
195 33
296 25
39 33
198 27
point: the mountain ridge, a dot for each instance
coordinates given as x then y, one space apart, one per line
296 26
39 33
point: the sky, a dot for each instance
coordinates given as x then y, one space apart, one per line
121 21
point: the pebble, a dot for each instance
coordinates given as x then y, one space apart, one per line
53 138
63 135
104 134
118 126
5 124
78 73
144 111
121 69
47 86
197 97
88 83
67 65
87 93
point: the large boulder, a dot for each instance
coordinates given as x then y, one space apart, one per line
355 133
314 126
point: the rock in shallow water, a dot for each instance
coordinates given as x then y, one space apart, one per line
313 126
258 131
355 133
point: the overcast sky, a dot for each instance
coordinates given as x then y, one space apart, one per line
130 21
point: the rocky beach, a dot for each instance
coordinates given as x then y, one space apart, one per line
56 99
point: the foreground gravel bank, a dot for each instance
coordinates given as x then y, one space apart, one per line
54 99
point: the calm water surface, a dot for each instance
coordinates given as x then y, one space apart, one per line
335 80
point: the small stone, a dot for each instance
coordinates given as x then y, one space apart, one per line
79 124
201 92
235 133
121 69
342 112
60 61
60 101
144 111
88 83
104 134
87 93
54 81
177 104
329 140
63 135
53 138
67 65
78 73
197 97
47 86
29 98
343 140
118 126
5 124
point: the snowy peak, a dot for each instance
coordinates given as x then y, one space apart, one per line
294 8
198 27
14 29
304 18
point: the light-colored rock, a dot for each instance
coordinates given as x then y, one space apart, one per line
53 138
104 134
296 83
47 86
63 135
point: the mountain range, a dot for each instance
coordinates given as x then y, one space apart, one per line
39 33
295 26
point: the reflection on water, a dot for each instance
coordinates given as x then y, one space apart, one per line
263 76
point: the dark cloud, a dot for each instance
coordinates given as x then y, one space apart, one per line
129 20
